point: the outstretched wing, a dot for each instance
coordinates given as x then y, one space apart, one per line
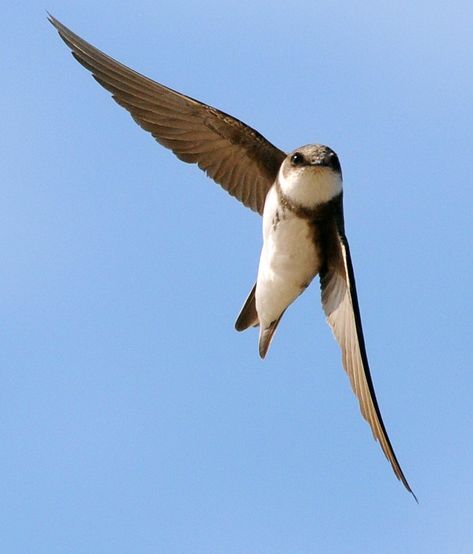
232 153
340 303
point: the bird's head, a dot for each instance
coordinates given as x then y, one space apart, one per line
311 175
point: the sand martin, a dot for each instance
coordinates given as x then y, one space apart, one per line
299 196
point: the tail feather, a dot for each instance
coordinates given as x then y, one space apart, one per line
248 316
266 336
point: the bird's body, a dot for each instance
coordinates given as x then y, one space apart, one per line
298 194
298 210
290 259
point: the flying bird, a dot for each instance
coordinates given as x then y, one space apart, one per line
299 195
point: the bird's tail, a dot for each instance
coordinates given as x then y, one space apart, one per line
266 336
248 316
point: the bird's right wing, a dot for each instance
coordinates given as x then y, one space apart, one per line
340 303
232 153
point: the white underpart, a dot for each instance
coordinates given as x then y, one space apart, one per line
288 261
310 185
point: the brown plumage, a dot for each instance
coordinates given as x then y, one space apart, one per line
248 316
246 165
232 153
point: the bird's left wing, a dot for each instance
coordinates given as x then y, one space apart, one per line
340 303
232 153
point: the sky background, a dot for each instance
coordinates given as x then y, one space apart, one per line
134 419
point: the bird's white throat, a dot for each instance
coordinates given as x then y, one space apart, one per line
310 186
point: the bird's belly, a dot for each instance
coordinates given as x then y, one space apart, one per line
290 259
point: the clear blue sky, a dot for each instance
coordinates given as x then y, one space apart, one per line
134 419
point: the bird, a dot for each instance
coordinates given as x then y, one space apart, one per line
298 194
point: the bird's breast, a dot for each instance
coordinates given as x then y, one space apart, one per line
291 257
291 248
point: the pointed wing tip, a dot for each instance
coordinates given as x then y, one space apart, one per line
400 474
52 19
408 487
60 28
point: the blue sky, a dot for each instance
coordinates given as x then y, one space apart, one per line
133 417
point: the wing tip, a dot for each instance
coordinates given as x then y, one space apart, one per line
50 17
407 486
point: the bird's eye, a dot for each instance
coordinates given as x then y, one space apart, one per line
297 159
334 162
